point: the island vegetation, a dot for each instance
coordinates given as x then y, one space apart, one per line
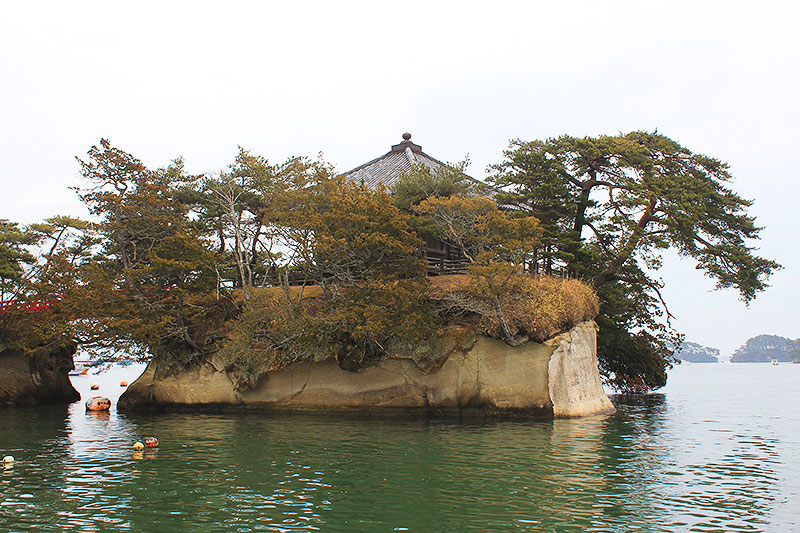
265 264
693 352
766 348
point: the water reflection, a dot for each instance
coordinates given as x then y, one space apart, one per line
662 462
705 476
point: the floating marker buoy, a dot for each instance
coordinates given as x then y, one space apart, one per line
138 446
98 403
151 442
123 383
95 386
8 459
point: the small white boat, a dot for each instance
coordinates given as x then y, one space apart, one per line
774 362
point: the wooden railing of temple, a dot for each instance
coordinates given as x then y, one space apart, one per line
294 278
441 263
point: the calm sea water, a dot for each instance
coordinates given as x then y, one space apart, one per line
718 450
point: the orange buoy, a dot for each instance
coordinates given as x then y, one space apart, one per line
151 442
138 446
98 403
123 383
95 386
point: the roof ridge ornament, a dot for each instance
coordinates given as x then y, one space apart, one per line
417 149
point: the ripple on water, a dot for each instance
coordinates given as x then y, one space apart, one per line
662 462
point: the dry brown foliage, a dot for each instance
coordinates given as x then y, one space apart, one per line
538 307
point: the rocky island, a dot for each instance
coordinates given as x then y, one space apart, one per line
697 353
765 348
402 284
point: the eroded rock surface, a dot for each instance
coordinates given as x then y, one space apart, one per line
557 378
41 377
574 381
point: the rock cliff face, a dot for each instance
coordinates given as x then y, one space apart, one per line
37 378
557 378
574 379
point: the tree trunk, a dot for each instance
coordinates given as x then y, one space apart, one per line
508 337
238 254
583 203
254 249
182 325
630 245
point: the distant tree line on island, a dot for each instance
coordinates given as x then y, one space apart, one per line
758 349
267 263
697 353
765 348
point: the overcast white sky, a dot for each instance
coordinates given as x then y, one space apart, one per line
196 79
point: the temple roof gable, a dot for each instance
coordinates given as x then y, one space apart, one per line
391 166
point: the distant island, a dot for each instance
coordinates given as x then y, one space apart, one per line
765 348
697 353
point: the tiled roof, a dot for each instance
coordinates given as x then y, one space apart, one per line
388 168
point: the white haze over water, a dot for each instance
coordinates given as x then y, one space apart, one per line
196 79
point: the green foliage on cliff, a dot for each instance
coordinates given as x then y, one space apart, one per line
608 207
358 252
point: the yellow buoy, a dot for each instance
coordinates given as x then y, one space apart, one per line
8 459
123 383
138 446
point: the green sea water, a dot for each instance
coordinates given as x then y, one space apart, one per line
717 450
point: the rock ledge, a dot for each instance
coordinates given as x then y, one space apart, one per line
558 378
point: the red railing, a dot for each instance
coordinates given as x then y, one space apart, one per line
37 306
